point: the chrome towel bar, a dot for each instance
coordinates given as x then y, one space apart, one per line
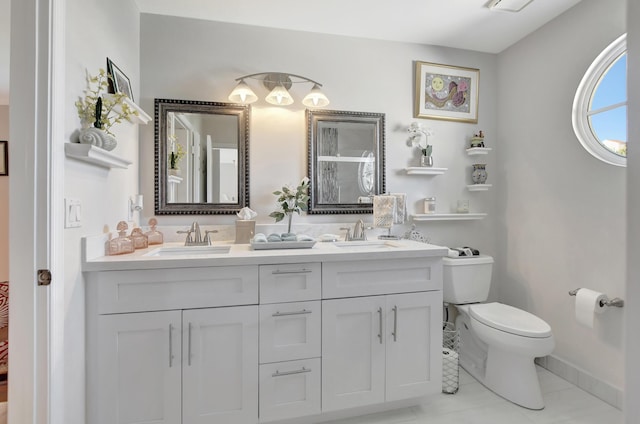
616 301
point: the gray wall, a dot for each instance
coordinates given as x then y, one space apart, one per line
561 215
4 202
358 75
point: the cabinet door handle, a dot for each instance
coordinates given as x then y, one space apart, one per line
284 314
189 347
280 374
380 324
395 323
170 345
292 271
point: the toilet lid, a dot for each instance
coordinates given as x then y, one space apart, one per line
509 319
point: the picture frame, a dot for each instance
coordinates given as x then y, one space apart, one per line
119 82
446 92
4 157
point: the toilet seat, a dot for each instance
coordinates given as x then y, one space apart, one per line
510 320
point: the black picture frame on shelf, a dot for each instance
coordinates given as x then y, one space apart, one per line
4 158
119 81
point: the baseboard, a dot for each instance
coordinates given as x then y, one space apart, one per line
582 379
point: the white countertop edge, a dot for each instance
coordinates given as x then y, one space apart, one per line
242 254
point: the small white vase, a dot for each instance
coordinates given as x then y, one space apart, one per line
98 138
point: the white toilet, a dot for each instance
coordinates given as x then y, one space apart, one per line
498 342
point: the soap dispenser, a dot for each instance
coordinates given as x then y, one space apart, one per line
154 236
140 241
121 244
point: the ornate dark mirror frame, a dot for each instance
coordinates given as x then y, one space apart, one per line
162 108
315 152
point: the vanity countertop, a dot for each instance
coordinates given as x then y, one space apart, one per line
243 254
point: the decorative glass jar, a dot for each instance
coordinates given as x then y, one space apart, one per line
479 174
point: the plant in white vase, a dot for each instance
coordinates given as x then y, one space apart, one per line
99 113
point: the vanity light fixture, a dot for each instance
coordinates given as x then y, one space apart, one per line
279 84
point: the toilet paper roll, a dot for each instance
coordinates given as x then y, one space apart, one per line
588 303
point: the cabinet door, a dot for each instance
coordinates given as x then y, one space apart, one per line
352 352
138 369
220 365
414 345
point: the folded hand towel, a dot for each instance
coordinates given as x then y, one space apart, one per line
274 237
304 237
259 238
288 237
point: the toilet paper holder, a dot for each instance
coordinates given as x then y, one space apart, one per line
616 301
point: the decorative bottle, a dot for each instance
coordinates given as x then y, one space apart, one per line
154 236
140 241
121 244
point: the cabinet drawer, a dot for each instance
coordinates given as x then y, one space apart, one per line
289 331
364 278
290 282
182 288
289 389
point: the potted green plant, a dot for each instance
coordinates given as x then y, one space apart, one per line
291 201
175 156
99 112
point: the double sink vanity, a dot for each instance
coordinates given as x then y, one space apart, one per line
229 334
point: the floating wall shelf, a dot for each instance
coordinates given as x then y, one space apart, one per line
448 216
425 170
142 118
473 151
479 187
95 155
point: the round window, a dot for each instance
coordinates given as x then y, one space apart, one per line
600 105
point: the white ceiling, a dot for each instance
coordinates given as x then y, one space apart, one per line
464 24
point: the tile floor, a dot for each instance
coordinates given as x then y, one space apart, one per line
475 404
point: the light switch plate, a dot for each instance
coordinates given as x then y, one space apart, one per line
72 213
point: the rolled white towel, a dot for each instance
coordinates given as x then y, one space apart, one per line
259 238
304 237
453 253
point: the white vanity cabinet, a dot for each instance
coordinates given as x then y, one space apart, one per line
175 366
384 347
263 337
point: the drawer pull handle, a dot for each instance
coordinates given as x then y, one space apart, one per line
189 347
280 374
284 314
292 271
380 324
170 345
395 323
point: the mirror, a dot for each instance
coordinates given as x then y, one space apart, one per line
346 160
202 159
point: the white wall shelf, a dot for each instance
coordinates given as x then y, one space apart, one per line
473 151
479 187
448 216
95 155
142 117
425 170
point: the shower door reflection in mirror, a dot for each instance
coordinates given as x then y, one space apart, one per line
346 160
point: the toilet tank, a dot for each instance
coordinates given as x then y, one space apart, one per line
466 279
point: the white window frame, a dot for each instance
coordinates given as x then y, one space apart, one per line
582 102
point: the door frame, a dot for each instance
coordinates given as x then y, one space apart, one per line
37 119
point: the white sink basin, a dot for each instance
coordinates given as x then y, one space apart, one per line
173 251
366 244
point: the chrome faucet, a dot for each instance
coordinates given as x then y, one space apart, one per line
358 233
194 236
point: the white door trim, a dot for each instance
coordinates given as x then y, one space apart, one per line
36 123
